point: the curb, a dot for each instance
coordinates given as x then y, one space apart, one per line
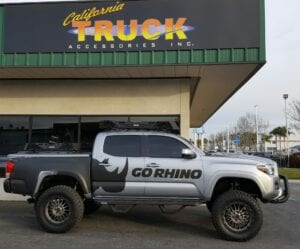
294 181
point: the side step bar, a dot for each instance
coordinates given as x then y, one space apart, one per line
126 200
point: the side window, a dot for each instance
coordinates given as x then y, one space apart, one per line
123 145
165 147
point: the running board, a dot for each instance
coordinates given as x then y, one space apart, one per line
147 200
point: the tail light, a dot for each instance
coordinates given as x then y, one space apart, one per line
9 168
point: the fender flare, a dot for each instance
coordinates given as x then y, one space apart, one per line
44 174
215 180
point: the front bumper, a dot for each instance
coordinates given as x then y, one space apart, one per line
284 191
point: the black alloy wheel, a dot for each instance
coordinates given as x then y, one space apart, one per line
237 216
59 209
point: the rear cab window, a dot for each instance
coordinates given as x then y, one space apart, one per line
123 145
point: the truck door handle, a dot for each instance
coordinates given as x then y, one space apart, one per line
105 164
153 165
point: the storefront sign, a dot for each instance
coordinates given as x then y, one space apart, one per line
131 25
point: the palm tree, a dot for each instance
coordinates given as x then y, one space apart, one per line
280 132
265 138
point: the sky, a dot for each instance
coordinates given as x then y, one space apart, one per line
280 75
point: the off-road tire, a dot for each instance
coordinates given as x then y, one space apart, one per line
90 207
220 211
73 201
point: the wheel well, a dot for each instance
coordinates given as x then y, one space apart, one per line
51 181
243 184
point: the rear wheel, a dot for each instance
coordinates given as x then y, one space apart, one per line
59 209
237 216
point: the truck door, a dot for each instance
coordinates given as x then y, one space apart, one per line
171 175
112 167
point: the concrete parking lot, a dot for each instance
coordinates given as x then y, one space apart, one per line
148 228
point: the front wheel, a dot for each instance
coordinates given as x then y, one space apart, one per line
59 208
237 216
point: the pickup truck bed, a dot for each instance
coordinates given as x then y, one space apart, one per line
26 175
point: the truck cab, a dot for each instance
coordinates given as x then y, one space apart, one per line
145 165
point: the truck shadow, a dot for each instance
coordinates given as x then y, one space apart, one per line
143 220
192 221
19 215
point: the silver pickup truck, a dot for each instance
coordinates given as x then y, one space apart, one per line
146 168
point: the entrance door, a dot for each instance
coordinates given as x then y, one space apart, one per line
171 175
112 169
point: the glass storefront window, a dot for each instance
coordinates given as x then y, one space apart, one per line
54 133
68 133
166 123
13 134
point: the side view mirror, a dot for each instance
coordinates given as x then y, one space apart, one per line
188 154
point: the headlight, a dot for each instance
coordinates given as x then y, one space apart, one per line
266 169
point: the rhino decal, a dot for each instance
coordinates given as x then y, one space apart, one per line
111 181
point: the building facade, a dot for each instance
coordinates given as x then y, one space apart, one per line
68 68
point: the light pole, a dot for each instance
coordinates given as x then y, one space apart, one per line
201 132
228 141
285 97
195 136
256 123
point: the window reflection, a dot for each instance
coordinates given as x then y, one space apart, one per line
55 130
13 134
68 133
